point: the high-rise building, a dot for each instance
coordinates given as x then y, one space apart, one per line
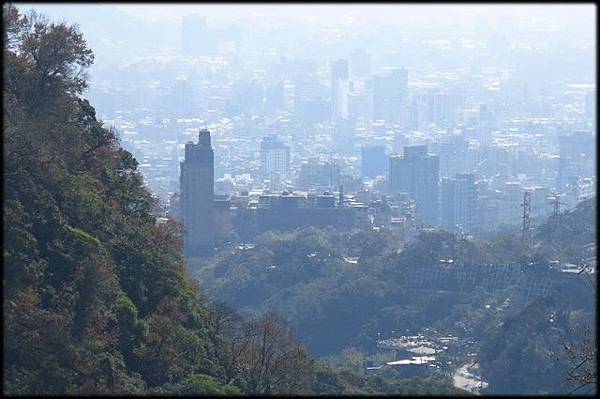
373 160
181 95
441 109
458 205
274 157
339 89
417 173
453 155
197 196
340 99
417 111
389 91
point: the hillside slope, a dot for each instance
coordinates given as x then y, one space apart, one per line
571 235
95 294
96 298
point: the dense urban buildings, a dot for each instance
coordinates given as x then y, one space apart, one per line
309 118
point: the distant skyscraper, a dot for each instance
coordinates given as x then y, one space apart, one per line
197 196
339 89
417 173
417 111
181 94
389 91
458 205
453 155
373 160
441 109
274 157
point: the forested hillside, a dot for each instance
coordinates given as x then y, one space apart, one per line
95 294
96 298
571 235
341 291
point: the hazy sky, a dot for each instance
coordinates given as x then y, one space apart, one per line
572 15
136 25
379 12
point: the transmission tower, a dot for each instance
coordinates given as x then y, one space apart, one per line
526 215
555 202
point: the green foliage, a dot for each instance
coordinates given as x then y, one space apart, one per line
568 235
201 384
94 289
341 381
309 276
513 348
